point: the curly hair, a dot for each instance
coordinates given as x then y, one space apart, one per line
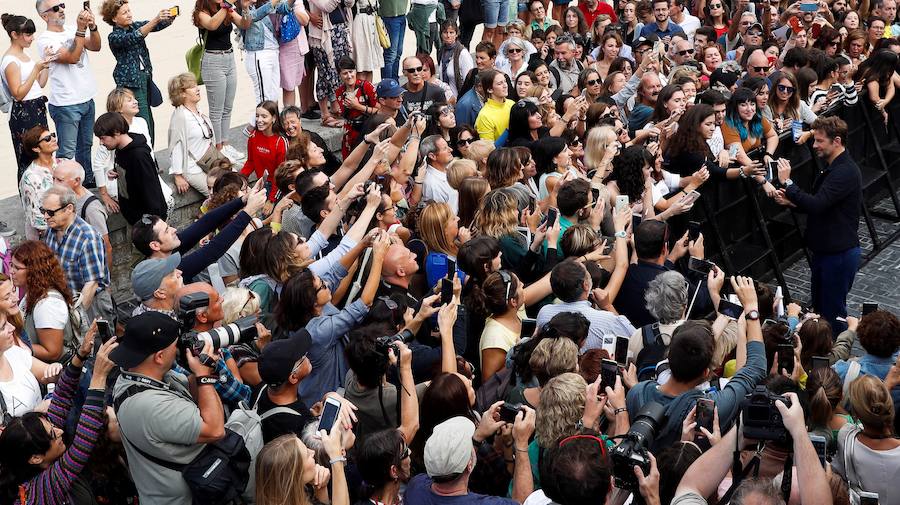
552 357
562 404
44 272
110 9
498 215
628 172
299 149
687 137
226 188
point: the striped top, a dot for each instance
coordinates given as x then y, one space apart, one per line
53 485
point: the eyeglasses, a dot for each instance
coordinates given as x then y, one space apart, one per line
754 34
405 452
414 70
250 297
48 138
786 89
447 111
746 23
55 8
465 142
593 82
760 69
641 51
685 52
514 50
575 143
51 212
620 131
298 365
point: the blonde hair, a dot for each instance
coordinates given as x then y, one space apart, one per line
238 303
116 99
596 144
498 214
432 221
178 85
279 472
479 151
458 170
552 357
562 405
871 403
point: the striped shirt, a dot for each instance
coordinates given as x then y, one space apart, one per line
602 322
53 485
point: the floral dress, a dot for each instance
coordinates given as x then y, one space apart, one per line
35 181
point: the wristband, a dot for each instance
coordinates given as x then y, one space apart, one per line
521 450
82 358
339 459
79 34
620 410
93 28
208 380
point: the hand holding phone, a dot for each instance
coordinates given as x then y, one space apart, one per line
705 414
330 413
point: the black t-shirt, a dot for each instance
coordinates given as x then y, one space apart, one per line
220 38
282 423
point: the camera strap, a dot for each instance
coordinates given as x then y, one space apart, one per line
739 472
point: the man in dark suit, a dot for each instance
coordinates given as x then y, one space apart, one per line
831 229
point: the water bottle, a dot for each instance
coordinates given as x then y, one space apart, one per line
797 129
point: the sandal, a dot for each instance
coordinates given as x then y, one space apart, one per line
332 122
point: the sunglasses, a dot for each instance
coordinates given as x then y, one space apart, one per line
685 52
48 138
148 219
786 89
754 34
55 8
51 212
715 6
414 70
465 142
620 131
514 50
760 69
446 111
593 82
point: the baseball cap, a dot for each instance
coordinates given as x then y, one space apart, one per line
148 274
279 357
145 334
388 88
756 25
449 448
649 40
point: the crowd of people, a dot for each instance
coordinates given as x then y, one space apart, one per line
497 292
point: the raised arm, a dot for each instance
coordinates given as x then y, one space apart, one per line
409 406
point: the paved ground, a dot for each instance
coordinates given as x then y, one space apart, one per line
878 281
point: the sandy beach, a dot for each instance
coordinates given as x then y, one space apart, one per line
167 50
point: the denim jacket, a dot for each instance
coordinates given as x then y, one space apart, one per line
253 36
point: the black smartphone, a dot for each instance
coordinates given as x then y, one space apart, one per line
528 327
382 183
771 171
866 498
785 358
701 266
551 217
705 414
622 351
820 362
821 446
103 330
446 291
87 5
729 309
451 268
596 193
693 230
509 411
868 308
608 371
329 414
531 205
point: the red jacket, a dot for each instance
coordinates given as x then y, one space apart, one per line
602 8
265 153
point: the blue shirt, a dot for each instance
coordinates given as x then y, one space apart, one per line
671 29
419 492
868 365
81 253
467 108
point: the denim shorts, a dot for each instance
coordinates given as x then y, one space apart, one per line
496 13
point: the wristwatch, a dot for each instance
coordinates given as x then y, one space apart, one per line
788 183
752 315
621 234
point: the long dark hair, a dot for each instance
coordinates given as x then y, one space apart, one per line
518 119
272 108
628 172
298 298
21 439
687 137
660 112
733 118
455 132
253 252
210 7
446 397
375 455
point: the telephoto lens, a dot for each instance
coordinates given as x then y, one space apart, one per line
242 330
634 449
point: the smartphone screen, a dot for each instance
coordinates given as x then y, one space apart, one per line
700 266
866 498
608 371
451 268
621 353
868 308
785 358
771 171
820 362
705 414
693 230
446 291
596 193
103 330
821 446
731 310
551 217
329 414
528 327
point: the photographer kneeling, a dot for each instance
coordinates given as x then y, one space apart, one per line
35 464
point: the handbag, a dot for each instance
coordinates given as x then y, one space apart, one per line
209 158
381 30
154 95
194 59
289 29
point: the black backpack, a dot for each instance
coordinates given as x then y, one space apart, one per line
653 352
494 389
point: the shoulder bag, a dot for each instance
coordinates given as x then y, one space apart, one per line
194 58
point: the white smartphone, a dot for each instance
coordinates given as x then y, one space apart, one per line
330 413
621 203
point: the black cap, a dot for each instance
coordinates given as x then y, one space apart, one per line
279 357
145 334
648 40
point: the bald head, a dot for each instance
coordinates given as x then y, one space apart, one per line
399 265
207 316
69 173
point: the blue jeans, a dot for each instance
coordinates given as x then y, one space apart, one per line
396 28
832 278
75 130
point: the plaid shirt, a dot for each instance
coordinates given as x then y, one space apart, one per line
81 253
231 391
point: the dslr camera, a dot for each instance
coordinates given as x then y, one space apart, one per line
634 449
388 343
242 330
762 419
